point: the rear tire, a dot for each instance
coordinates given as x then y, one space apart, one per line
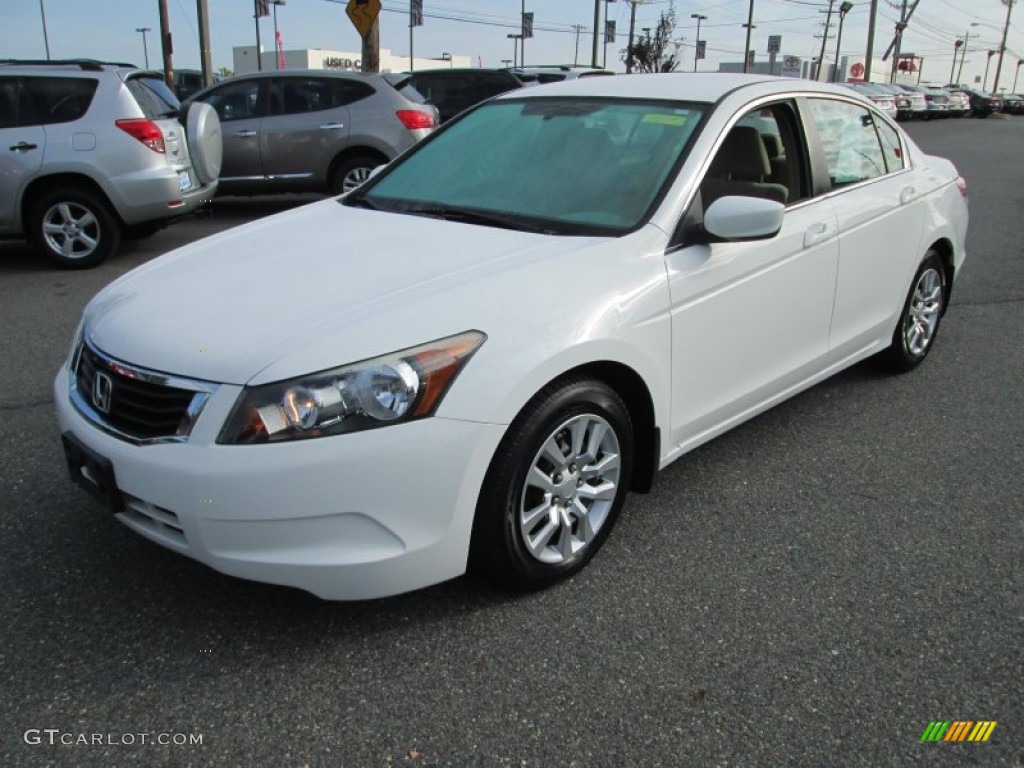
919 320
352 171
555 486
74 228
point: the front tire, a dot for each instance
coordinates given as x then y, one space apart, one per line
555 486
919 321
74 227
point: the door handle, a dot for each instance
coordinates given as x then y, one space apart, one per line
906 195
330 126
23 146
244 134
816 233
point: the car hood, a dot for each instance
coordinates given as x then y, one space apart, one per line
306 290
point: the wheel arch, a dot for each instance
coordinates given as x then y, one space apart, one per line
39 186
944 248
633 390
349 152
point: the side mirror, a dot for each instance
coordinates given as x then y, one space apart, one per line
744 218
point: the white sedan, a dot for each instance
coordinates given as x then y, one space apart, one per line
470 360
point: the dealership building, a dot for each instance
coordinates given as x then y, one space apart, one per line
244 60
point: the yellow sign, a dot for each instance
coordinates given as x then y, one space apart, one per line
363 13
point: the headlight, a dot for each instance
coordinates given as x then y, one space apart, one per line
399 387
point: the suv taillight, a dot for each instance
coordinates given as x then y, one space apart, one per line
144 130
961 184
413 119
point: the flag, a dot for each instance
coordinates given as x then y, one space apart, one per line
701 48
280 49
262 8
528 24
415 13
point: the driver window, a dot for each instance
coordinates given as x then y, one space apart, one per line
849 140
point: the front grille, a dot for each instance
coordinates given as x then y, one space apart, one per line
134 406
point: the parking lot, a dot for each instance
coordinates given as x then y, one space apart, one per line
812 588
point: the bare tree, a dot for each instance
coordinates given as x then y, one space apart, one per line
654 53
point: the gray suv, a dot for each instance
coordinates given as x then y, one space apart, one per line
90 152
312 130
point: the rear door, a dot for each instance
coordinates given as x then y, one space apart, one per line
880 214
308 125
239 105
22 142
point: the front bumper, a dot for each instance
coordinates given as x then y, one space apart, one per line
350 517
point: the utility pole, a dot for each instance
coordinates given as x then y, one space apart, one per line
632 29
371 48
750 25
522 32
984 80
597 31
259 46
205 62
963 54
576 57
166 44
871 42
1002 46
824 39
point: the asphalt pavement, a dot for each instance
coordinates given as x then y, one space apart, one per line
810 589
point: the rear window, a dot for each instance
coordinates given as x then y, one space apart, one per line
153 96
60 99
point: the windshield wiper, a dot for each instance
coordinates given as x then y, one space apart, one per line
473 216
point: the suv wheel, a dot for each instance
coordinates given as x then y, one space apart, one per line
353 171
74 227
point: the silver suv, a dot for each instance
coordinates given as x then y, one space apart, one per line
92 151
312 130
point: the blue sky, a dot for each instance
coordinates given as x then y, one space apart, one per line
478 28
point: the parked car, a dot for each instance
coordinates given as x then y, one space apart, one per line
883 99
454 90
902 100
312 130
959 103
95 151
472 358
1013 103
983 103
918 103
187 82
557 73
936 99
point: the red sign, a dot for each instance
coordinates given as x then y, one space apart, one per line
857 71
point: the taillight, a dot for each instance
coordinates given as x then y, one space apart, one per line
413 119
928 97
961 184
144 130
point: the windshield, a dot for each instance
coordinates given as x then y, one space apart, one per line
556 165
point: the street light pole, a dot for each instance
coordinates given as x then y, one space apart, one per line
46 37
1019 62
145 48
844 9
1002 45
696 47
984 80
956 50
515 48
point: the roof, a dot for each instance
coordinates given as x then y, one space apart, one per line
707 87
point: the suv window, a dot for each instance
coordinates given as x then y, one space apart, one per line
297 95
850 141
153 96
15 108
60 99
235 101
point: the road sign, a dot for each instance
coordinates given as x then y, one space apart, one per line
774 43
363 13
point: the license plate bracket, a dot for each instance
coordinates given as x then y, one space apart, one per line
94 473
